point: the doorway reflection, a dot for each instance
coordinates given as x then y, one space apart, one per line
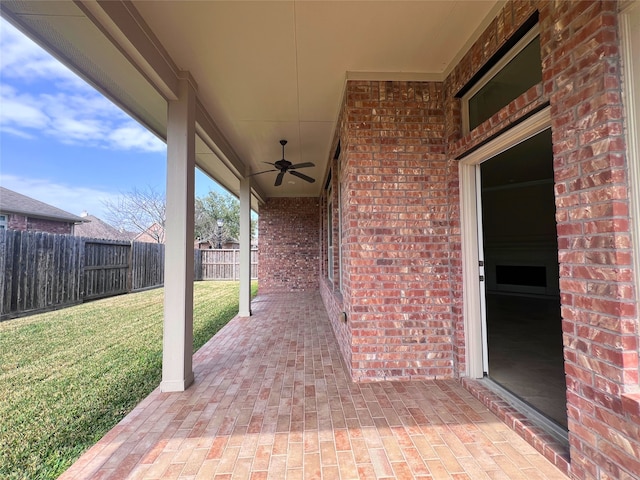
523 322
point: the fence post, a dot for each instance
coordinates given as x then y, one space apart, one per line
197 264
3 270
130 267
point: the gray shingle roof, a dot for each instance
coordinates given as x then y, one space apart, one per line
96 228
14 202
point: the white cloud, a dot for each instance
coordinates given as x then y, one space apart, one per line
129 136
19 111
16 132
39 96
68 198
23 59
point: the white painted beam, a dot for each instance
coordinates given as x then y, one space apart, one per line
122 23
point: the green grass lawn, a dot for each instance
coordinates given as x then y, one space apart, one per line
68 376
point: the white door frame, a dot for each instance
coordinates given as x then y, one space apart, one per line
473 294
630 42
481 271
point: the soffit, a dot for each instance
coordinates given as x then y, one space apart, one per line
271 70
265 70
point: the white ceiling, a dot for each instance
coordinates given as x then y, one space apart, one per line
265 70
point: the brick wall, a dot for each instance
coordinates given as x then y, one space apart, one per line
22 222
401 233
582 75
582 83
288 251
332 292
396 231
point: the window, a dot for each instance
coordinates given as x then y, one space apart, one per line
3 222
334 225
339 238
329 233
516 72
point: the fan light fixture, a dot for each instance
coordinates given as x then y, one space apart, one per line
283 166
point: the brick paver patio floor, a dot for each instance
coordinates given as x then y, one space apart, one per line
272 400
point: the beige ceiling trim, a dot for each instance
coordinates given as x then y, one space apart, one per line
211 135
126 29
216 141
396 76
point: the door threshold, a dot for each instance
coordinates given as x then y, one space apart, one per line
553 446
539 419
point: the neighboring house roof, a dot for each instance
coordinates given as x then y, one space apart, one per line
96 228
14 202
153 234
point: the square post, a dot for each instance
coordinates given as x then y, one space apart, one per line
177 349
245 248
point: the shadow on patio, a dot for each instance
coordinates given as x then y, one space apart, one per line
271 399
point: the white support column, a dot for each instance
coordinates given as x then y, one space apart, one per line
177 350
245 248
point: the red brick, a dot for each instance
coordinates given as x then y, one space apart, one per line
288 248
21 222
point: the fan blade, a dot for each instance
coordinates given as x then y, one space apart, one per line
302 176
302 165
270 163
265 171
279 179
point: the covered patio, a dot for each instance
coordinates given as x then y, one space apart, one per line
391 230
272 399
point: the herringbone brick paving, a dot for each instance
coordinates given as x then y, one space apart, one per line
272 400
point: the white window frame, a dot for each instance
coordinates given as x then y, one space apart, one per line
510 55
4 221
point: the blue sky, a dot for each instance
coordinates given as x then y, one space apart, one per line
62 142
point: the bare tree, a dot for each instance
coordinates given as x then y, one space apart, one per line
140 211
143 211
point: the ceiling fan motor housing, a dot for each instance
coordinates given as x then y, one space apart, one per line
283 164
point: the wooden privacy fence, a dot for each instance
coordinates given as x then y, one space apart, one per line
41 271
222 264
147 266
113 267
105 268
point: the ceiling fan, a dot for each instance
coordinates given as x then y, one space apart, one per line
283 166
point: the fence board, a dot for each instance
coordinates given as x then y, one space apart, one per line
41 271
197 264
147 265
106 268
